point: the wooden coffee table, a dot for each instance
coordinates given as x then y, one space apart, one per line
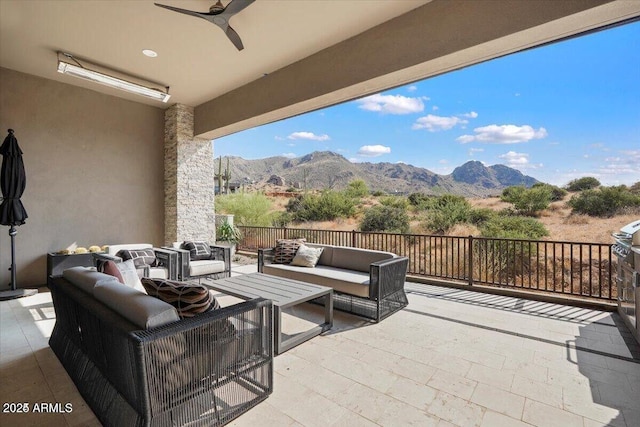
284 293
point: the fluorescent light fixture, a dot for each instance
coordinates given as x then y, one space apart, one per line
78 70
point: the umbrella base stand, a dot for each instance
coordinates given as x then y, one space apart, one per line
17 293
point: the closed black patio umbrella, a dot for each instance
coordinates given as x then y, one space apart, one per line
12 213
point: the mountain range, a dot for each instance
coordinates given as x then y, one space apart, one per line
326 169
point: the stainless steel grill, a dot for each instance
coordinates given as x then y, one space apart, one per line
627 250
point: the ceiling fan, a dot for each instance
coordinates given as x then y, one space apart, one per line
219 15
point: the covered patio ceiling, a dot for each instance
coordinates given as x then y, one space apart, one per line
299 55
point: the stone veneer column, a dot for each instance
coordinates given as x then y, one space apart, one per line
188 180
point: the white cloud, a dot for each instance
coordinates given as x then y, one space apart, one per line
434 123
519 160
435 108
392 104
278 138
373 150
412 88
443 161
472 151
504 134
309 135
289 155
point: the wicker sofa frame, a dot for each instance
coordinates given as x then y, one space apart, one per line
132 377
386 288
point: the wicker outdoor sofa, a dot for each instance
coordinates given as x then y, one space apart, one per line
365 282
137 364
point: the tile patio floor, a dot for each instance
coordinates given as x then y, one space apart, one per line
451 358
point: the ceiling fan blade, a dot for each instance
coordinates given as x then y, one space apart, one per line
234 37
185 11
236 6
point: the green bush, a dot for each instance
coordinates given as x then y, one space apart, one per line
228 233
395 202
385 218
443 212
506 259
281 219
635 188
528 201
378 193
418 199
247 208
479 216
557 193
325 206
513 227
604 202
584 183
357 188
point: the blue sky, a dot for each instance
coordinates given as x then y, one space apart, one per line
556 113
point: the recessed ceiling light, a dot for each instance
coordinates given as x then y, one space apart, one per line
150 53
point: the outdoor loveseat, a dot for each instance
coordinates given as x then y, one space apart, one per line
365 282
137 364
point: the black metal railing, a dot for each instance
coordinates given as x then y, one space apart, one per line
571 268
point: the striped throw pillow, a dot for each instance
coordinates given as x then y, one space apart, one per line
197 250
189 299
140 257
286 249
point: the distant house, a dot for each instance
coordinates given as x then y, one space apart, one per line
233 188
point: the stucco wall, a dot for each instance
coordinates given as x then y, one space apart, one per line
94 170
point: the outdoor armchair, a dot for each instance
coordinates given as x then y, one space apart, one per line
156 263
211 261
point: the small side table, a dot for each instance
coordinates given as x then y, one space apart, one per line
57 263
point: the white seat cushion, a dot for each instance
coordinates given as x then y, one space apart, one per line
158 273
205 267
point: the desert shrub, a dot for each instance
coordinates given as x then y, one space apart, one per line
385 218
528 201
480 216
325 206
357 188
505 259
281 219
584 183
557 193
378 193
247 208
513 227
604 202
443 212
418 199
447 201
395 202
512 193
635 188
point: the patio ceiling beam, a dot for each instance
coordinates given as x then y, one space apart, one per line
435 38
